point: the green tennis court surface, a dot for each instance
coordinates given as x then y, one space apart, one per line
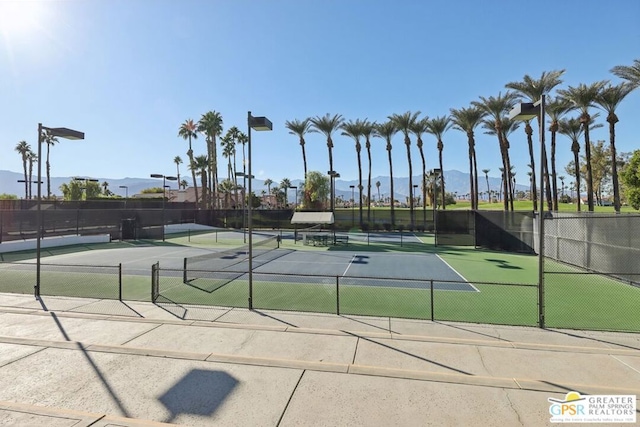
391 275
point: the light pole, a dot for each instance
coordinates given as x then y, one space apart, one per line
259 124
353 204
332 176
60 133
244 190
165 178
527 111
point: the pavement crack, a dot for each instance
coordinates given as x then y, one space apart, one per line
514 408
486 369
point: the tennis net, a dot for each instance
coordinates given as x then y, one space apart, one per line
200 266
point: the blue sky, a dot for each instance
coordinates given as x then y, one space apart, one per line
129 72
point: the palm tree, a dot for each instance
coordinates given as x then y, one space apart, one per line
437 127
300 128
184 184
583 97
187 131
404 123
50 140
105 188
368 130
177 160
386 131
226 187
24 149
268 182
631 73
201 165
354 130
285 183
228 147
561 178
486 175
378 187
609 99
466 120
211 125
418 128
555 108
326 125
496 107
533 89
507 127
572 128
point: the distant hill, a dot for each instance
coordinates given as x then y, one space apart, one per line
455 182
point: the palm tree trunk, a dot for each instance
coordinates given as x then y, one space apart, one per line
393 218
424 183
554 179
576 160
193 171
547 181
505 189
304 157
475 175
612 119
472 190
329 147
440 148
48 174
369 182
585 119
26 176
360 183
534 190
407 142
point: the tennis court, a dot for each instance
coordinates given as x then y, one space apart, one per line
378 274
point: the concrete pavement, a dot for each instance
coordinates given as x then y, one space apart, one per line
75 362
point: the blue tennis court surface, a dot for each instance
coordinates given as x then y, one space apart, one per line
413 270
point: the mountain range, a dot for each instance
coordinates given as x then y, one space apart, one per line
455 182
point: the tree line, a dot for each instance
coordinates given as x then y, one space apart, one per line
490 114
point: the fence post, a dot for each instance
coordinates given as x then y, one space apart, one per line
432 303
184 271
155 291
338 295
120 281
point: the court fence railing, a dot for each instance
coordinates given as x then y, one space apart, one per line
68 280
572 299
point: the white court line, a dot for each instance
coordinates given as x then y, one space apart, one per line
455 271
350 262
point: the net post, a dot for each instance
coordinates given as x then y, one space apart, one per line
184 270
120 281
432 303
338 295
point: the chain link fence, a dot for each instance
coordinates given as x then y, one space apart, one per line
499 303
83 281
592 273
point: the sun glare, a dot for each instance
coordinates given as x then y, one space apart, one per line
19 17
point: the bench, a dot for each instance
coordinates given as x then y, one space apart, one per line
340 239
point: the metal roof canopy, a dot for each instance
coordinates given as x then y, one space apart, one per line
312 218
